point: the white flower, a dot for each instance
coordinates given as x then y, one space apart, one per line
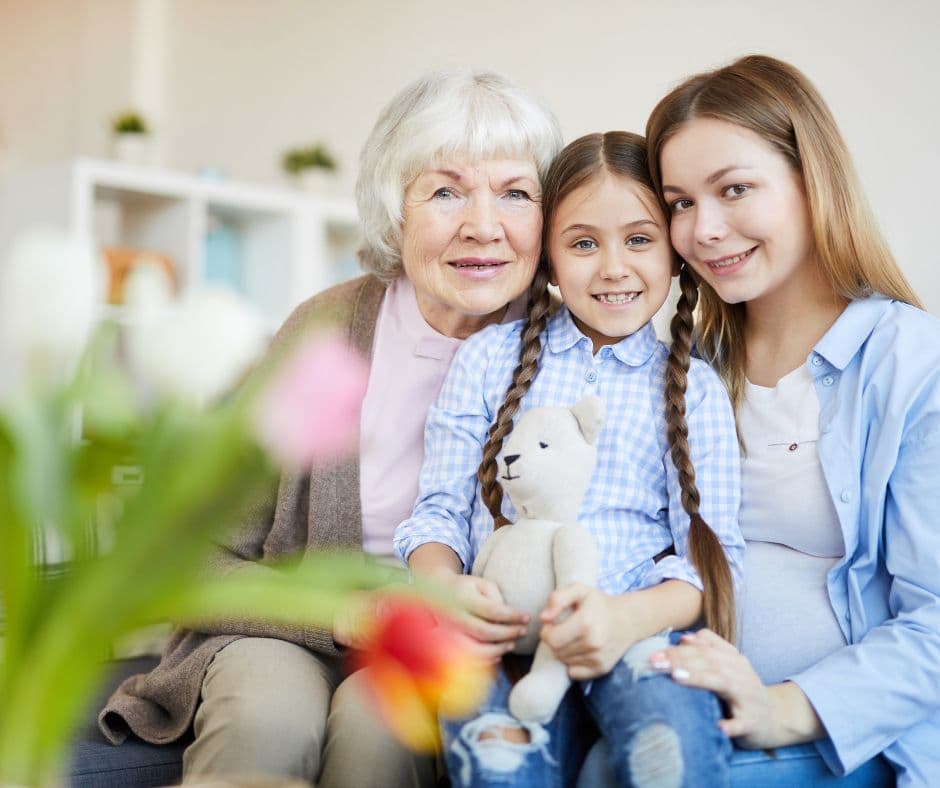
51 285
194 349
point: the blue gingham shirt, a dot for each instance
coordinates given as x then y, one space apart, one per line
632 506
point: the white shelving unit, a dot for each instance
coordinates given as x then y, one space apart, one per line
289 245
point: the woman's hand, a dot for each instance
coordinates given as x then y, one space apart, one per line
760 716
584 628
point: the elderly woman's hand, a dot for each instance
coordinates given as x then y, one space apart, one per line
759 716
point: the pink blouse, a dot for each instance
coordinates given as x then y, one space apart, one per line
409 362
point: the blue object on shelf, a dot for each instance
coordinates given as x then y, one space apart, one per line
224 256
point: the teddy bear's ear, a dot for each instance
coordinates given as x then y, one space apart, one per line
589 413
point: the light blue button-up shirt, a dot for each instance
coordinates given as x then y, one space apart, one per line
877 375
633 505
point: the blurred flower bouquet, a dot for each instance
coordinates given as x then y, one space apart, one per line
79 397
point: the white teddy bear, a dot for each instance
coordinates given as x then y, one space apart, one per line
545 466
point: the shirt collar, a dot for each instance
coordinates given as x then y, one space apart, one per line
633 350
846 336
426 341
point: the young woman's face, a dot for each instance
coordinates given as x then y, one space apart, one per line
739 214
610 256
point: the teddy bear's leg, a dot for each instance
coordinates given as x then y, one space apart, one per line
537 695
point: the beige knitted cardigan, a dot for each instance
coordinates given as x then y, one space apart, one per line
311 512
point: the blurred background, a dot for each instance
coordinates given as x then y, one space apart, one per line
228 87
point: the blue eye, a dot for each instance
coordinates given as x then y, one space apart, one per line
584 243
444 193
518 194
677 206
638 240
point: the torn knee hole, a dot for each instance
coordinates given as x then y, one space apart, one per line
495 730
515 734
656 757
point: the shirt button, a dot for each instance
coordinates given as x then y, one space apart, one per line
591 376
828 380
845 496
817 361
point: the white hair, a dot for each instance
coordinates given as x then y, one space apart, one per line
446 114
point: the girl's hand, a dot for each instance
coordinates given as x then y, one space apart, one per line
759 716
592 638
491 624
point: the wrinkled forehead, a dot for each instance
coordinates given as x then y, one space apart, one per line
462 163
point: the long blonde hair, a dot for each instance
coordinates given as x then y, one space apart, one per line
777 102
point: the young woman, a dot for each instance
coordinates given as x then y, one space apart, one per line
669 434
835 374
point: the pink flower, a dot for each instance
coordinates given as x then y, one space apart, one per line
310 411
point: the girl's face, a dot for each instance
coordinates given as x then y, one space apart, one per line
610 256
739 214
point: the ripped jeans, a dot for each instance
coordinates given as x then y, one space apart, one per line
661 734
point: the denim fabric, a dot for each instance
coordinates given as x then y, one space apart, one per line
552 757
799 766
664 734
664 729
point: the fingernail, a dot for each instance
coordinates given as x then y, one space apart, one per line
681 674
658 661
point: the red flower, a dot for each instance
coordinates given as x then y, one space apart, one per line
419 665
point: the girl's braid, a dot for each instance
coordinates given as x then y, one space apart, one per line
539 307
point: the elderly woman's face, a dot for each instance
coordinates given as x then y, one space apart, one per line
470 240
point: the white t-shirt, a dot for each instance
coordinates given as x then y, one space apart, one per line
789 522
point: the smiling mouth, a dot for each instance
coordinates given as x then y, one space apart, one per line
477 265
725 262
617 298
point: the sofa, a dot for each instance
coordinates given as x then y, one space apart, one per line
96 763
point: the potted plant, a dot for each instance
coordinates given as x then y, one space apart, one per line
130 137
311 166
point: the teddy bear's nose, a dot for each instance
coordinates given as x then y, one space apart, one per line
509 459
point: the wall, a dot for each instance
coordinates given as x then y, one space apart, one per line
234 82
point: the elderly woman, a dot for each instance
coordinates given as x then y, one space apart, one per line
449 196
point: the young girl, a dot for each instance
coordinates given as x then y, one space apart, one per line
835 374
670 432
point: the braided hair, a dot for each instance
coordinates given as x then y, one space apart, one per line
623 154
